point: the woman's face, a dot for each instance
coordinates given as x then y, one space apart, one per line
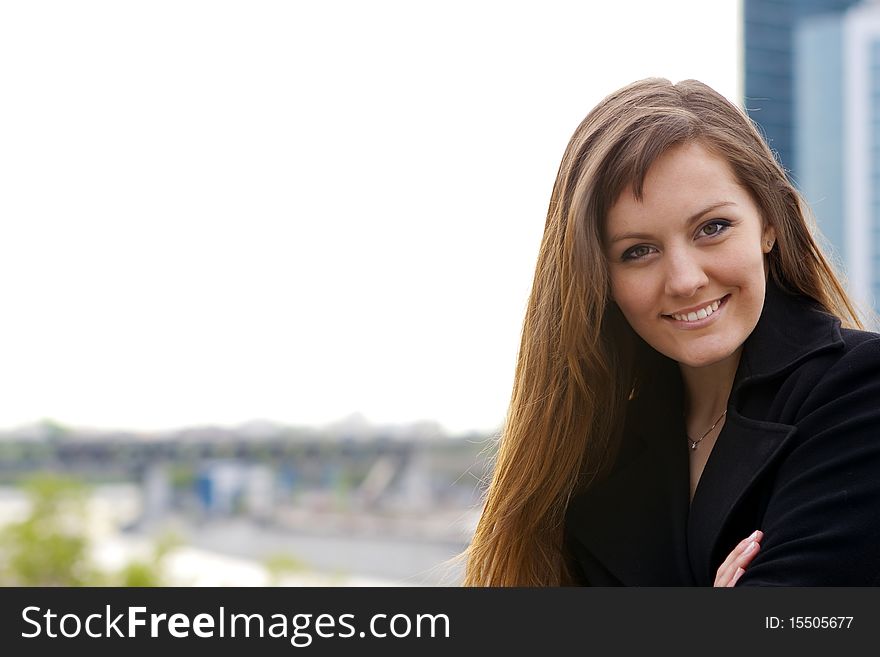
687 262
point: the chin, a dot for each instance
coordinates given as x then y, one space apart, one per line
704 359
696 363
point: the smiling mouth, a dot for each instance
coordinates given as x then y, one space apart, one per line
695 316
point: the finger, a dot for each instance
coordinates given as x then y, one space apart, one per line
739 549
727 569
739 572
730 576
725 576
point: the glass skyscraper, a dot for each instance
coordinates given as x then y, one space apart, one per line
769 62
836 126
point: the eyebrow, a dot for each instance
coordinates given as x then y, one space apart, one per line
694 217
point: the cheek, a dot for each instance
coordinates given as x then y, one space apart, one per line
634 296
750 269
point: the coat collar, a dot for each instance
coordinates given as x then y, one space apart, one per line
639 522
791 329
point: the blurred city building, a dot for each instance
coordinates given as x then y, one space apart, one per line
351 500
768 34
837 129
812 83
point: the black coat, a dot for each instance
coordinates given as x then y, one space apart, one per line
798 458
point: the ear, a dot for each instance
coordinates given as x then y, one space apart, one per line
768 238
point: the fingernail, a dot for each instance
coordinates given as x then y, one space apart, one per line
754 535
751 546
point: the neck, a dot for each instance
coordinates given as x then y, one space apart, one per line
706 389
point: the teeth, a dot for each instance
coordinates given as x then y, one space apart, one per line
700 314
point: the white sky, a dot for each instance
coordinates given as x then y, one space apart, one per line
214 211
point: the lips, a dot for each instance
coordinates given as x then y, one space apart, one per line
697 313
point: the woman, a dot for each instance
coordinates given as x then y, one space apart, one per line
694 401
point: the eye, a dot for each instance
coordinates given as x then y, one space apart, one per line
636 252
714 227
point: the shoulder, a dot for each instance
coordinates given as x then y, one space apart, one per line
854 360
847 378
807 367
868 341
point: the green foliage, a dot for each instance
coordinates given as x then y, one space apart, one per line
281 564
48 547
165 543
139 573
149 573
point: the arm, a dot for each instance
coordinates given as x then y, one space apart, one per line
822 525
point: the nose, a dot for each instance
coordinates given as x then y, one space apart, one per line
685 274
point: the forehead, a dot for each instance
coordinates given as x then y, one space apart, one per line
682 181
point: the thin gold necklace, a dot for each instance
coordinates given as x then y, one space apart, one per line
694 443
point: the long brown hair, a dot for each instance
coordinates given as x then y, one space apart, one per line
579 361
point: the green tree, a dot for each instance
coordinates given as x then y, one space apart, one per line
149 573
48 548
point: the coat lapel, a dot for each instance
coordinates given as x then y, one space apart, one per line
744 449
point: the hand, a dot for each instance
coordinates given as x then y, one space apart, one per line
735 563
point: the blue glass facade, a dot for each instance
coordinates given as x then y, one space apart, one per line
819 126
768 76
874 184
